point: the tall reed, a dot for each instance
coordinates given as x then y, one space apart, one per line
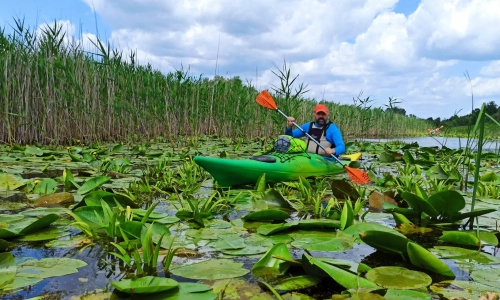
52 91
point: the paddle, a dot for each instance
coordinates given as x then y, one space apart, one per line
266 100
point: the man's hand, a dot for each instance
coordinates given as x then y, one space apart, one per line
290 122
329 151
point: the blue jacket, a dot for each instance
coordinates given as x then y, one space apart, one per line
333 135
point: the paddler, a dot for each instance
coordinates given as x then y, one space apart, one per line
322 130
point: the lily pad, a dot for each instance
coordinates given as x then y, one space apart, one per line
399 278
267 215
49 267
297 283
145 285
211 269
7 268
9 182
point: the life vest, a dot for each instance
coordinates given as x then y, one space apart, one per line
319 134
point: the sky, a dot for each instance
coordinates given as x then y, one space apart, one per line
415 51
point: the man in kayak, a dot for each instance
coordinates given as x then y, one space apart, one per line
322 130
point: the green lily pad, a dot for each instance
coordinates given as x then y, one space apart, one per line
145 285
185 290
93 183
267 215
398 278
9 182
8 268
297 283
392 294
211 269
49 267
421 257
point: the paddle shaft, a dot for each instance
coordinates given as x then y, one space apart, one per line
310 137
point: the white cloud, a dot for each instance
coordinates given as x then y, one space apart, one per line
457 29
338 47
493 69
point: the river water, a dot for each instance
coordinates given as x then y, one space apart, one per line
439 141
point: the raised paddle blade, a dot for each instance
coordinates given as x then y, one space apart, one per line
265 99
357 175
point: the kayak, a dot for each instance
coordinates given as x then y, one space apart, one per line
277 167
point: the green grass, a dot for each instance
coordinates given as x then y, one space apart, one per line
53 93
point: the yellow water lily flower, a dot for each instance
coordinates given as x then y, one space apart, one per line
187 158
36 181
68 147
77 141
94 153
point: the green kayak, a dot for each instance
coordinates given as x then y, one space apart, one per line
280 167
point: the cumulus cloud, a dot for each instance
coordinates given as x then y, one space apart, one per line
338 47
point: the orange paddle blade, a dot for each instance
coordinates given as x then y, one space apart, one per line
358 175
265 99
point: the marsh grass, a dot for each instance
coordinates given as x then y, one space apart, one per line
53 91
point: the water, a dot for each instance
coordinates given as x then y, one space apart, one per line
439 141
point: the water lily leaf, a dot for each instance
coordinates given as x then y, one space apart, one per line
318 224
10 182
269 229
437 172
323 244
297 283
485 236
20 283
210 269
386 157
145 285
342 189
185 290
489 176
347 216
228 244
392 294
399 278
49 267
391 242
489 276
38 224
8 268
43 211
267 215
421 257
460 237
93 183
33 150
343 277
461 289
361 227
465 255
419 204
268 265
46 186
69 241
7 206
237 289
447 202
248 250
274 198
45 234
474 213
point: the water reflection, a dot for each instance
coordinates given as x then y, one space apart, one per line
439 141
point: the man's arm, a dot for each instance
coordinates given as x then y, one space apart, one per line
297 133
333 135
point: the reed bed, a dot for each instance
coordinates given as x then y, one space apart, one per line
52 92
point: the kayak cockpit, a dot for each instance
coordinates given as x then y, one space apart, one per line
264 158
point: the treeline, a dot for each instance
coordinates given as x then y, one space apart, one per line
491 108
52 92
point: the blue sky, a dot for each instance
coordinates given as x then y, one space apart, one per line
385 48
